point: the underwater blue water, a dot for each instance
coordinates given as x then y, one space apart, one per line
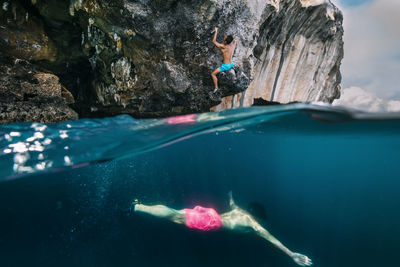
327 178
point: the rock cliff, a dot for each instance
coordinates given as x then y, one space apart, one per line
29 94
154 57
299 52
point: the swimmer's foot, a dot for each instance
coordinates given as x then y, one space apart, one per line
134 203
215 90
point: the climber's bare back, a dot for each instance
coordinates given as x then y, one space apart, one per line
227 48
227 51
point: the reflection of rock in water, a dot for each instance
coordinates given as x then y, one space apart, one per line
155 58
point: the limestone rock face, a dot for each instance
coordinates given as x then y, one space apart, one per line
299 51
27 94
22 35
164 50
154 58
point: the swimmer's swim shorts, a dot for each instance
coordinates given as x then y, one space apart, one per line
204 219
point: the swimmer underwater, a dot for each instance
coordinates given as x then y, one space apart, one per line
207 219
227 49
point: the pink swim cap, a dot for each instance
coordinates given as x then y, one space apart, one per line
204 219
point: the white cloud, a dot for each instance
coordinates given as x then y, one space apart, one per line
372 47
358 98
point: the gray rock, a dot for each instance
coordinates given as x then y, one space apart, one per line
288 50
28 94
299 52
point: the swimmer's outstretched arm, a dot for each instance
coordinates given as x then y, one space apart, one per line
238 217
297 257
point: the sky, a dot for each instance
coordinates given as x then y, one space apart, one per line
371 64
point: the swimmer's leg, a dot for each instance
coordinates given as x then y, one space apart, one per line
161 211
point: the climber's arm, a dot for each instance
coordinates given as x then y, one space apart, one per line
214 40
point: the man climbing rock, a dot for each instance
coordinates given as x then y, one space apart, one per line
227 49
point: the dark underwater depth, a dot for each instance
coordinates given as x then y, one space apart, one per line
328 180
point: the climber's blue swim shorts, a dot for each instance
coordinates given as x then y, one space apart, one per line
226 67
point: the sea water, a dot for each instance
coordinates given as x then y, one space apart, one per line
328 180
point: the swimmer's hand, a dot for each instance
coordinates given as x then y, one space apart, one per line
301 259
215 29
